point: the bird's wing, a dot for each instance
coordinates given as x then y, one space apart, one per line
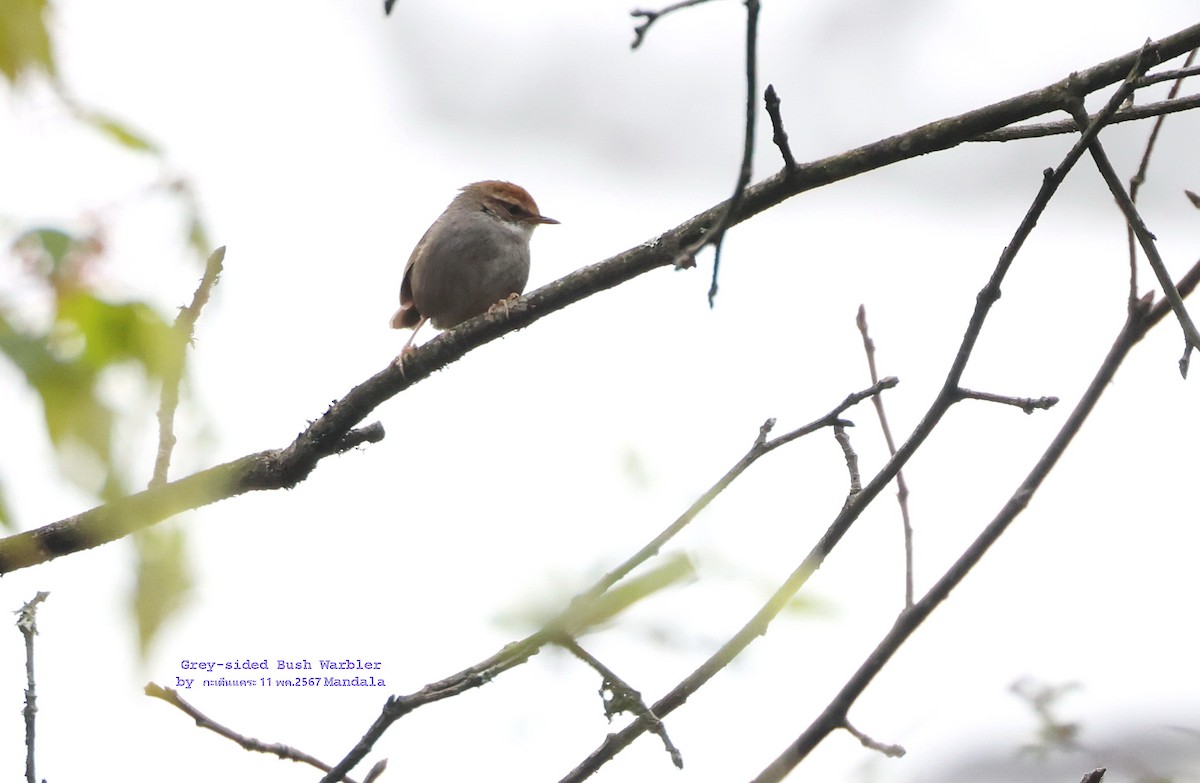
408 315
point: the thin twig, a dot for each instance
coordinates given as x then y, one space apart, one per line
1064 127
27 623
1145 239
1027 404
651 17
1178 75
778 134
623 698
761 447
716 237
285 752
1138 179
891 751
839 434
185 326
901 483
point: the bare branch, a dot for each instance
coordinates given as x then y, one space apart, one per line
275 469
1027 404
1063 127
901 484
778 134
27 623
185 327
1136 181
1139 321
839 433
716 237
1178 75
622 698
285 752
639 32
1145 238
891 751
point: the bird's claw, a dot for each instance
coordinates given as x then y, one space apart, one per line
399 360
504 304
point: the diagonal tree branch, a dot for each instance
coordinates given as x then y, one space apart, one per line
334 432
1147 240
284 752
1062 127
184 329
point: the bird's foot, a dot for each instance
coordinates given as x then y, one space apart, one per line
404 354
504 304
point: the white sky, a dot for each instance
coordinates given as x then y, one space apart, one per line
323 139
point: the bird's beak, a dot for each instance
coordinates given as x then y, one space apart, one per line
544 219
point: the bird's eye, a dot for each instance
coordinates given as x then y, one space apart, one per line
515 210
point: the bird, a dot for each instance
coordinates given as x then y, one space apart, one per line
473 258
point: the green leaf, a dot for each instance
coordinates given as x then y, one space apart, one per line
164 580
197 235
116 332
45 247
78 422
120 132
24 39
671 570
6 518
60 257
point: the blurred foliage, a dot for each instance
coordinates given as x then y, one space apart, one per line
119 132
582 616
68 338
163 584
64 363
1053 733
24 39
5 514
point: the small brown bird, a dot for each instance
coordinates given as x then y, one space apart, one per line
474 257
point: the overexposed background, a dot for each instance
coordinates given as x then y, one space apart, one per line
323 138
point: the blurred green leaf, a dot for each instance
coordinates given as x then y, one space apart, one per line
45 248
808 606
6 517
59 257
66 378
1053 733
119 132
24 39
73 413
164 580
671 570
65 388
197 236
582 615
116 332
